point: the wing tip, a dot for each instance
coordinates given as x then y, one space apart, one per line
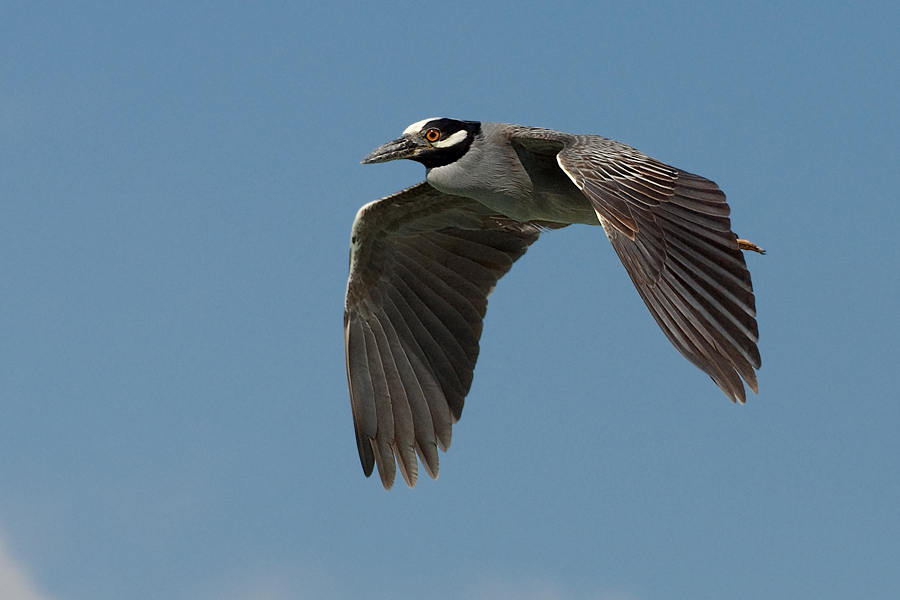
737 393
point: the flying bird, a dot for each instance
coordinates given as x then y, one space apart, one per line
423 262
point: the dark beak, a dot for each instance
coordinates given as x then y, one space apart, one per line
404 147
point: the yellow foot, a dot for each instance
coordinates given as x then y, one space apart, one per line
748 245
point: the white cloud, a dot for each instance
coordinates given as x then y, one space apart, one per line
15 582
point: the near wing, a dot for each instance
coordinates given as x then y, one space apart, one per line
422 264
672 232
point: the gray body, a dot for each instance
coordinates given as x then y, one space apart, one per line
513 180
424 260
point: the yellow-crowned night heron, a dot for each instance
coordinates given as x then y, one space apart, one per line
424 260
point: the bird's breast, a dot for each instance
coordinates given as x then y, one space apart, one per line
501 183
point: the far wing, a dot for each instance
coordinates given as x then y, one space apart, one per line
672 232
422 264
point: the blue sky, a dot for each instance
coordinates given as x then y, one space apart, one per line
177 185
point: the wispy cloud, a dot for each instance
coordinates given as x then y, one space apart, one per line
15 582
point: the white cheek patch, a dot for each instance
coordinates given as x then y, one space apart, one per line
453 139
417 127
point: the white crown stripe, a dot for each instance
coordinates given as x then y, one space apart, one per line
453 139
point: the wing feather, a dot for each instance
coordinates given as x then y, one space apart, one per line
672 231
438 364
416 385
384 418
422 265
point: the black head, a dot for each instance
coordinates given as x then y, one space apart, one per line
432 142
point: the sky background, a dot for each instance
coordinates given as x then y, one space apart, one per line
177 185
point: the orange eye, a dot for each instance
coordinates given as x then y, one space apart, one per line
432 135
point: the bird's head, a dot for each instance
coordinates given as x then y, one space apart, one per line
432 142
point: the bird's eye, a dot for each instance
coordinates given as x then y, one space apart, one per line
432 135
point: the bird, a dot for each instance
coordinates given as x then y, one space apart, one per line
424 260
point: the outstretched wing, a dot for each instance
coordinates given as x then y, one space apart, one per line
672 232
422 264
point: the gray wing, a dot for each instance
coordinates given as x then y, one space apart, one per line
672 232
422 264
